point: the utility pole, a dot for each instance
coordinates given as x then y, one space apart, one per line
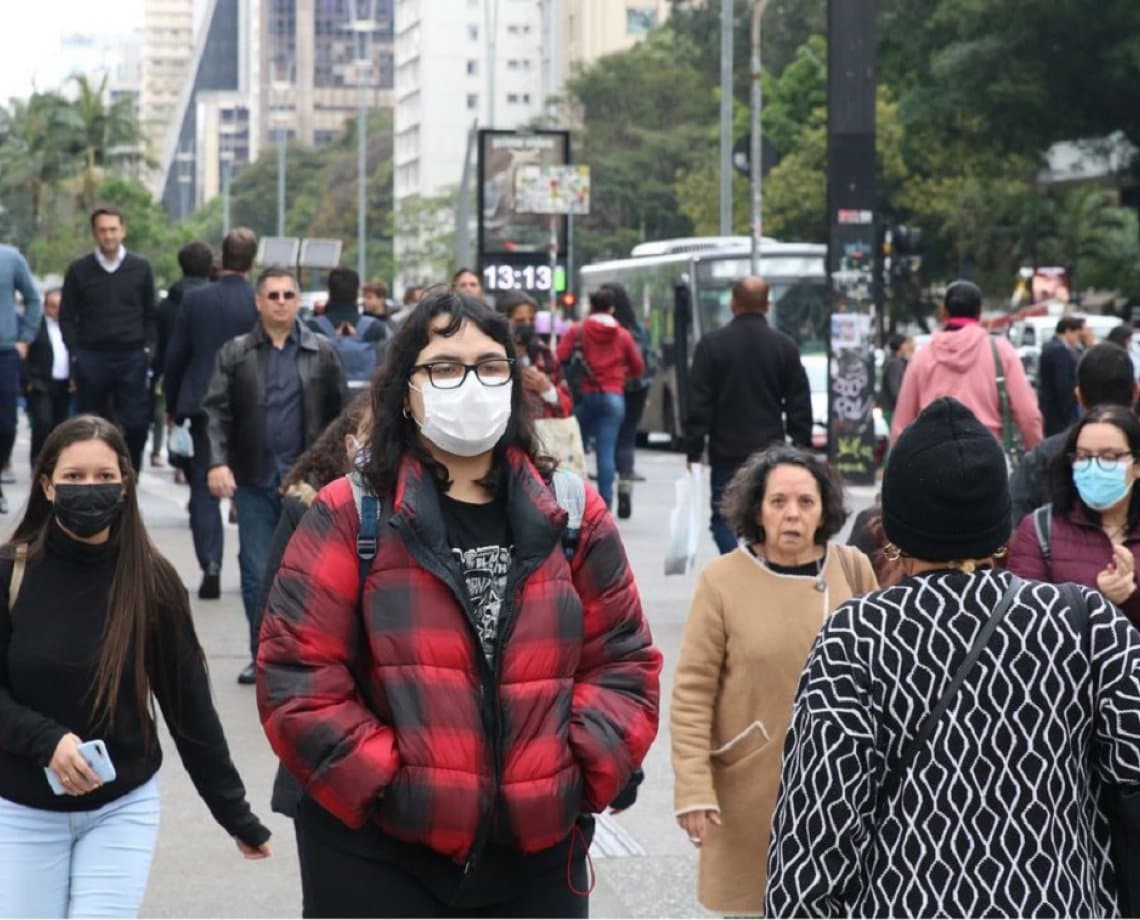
280 182
726 23
362 26
755 153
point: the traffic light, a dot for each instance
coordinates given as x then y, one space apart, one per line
568 301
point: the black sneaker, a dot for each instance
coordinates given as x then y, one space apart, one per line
248 675
211 587
625 505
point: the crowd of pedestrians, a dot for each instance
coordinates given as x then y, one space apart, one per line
452 660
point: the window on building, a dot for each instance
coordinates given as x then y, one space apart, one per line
473 33
640 20
472 68
472 101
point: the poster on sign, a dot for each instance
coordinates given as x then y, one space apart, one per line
552 190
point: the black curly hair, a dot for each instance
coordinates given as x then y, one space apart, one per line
395 433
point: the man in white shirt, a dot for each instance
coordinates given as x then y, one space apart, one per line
47 376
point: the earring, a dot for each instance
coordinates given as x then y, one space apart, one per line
406 413
1001 552
892 553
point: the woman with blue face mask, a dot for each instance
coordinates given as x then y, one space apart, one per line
1090 534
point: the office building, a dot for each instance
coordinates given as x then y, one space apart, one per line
261 67
167 52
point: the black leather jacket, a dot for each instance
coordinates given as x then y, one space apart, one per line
235 399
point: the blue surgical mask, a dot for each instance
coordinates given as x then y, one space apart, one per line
1102 488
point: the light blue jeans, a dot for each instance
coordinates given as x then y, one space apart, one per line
599 416
79 863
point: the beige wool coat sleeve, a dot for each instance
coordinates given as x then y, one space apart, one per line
694 696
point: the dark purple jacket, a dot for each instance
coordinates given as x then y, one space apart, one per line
1080 551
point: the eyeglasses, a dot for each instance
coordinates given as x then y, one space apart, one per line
448 375
1106 461
281 295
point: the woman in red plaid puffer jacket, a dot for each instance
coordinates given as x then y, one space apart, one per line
455 719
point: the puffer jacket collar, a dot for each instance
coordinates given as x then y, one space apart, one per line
537 521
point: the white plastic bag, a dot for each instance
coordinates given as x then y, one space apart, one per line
180 443
685 522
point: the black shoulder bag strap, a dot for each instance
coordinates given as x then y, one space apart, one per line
896 770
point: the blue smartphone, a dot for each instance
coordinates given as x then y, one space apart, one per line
95 753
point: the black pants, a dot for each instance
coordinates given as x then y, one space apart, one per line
348 873
205 510
47 408
119 379
627 434
9 402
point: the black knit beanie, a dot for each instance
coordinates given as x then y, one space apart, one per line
945 490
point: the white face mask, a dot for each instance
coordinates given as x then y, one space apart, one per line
468 420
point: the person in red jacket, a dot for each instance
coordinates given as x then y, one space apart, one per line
455 716
610 358
1093 533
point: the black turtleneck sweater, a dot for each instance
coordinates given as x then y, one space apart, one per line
49 652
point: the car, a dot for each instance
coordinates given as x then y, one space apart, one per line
1030 334
816 367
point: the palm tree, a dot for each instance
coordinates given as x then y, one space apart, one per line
104 127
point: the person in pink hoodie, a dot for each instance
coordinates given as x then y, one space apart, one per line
611 357
959 362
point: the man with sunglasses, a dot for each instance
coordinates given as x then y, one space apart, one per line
274 389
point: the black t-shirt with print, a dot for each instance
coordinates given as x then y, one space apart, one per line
480 537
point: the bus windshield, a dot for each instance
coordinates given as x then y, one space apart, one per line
798 307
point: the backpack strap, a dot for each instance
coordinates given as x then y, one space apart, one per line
365 323
1043 525
325 325
368 510
19 566
850 570
570 493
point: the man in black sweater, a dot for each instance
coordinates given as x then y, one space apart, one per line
109 324
747 390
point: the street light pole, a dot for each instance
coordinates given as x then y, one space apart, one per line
726 23
280 182
756 151
362 26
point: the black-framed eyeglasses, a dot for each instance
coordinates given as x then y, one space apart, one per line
1106 461
448 375
281 295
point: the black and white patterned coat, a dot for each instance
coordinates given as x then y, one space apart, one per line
997 817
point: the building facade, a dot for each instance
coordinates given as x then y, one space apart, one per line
167 52
267 68
464 64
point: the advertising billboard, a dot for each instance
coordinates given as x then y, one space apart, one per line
504 230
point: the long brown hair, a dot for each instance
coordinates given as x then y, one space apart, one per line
148 612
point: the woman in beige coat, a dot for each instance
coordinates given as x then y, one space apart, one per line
754 617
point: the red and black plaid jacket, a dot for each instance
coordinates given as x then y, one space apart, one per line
396 716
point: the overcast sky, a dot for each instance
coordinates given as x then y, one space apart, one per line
30 41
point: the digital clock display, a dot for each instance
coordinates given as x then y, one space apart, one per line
502 276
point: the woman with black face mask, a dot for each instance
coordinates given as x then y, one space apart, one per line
95 625
546 393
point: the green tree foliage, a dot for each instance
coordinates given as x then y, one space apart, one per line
971 93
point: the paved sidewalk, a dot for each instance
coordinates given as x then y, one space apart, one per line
645 865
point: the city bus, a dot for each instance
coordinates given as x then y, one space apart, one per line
681 290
